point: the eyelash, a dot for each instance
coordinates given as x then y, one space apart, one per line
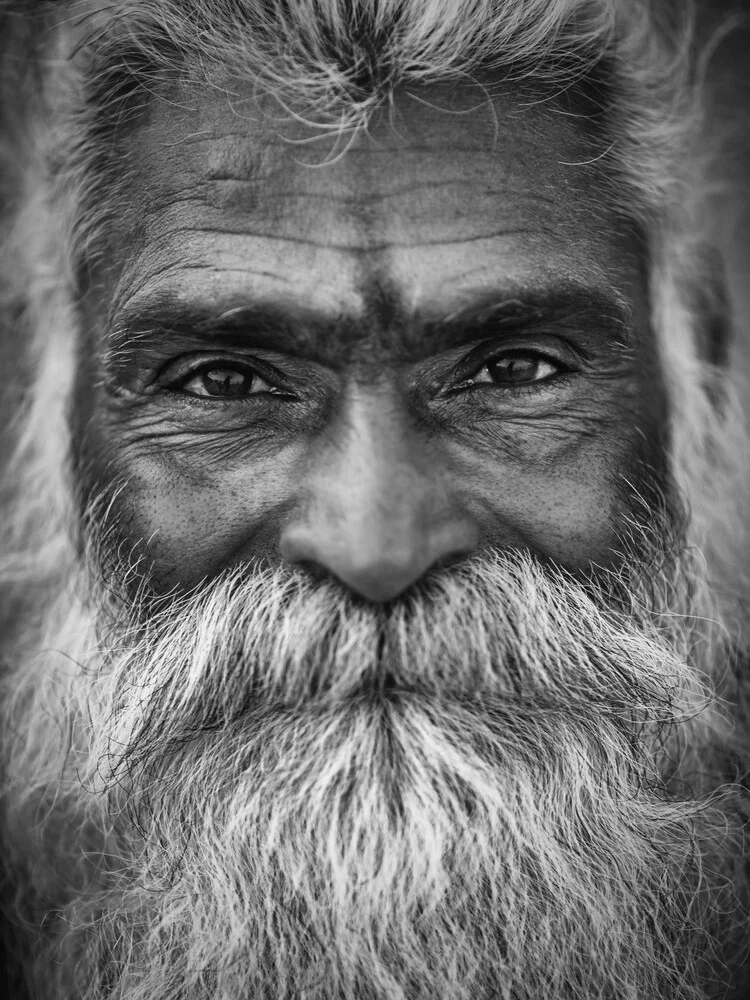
527 389
273 377
268 374
565 371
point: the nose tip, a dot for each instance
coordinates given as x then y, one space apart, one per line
372 569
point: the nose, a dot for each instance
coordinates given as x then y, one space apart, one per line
377 509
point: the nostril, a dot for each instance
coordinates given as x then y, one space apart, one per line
314 570
296 547
364 569
378 561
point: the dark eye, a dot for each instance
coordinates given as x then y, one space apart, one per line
224 381
515 367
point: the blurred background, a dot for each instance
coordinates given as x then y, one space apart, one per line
729 73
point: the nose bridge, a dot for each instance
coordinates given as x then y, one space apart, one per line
373 494
376 479
377 513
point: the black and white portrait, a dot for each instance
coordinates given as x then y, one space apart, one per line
374 510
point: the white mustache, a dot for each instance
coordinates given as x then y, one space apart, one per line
500 631
421 783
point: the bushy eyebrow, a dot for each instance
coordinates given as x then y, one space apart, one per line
287 327
561 307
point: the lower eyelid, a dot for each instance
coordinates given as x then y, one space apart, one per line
208 405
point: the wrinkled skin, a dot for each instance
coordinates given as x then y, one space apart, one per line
367 363
436 342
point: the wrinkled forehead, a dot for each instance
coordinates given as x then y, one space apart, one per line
231 133
449 191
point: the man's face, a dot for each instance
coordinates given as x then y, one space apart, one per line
366 415
435 343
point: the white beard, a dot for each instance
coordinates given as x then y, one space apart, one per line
500 788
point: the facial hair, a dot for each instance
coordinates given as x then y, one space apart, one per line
507 784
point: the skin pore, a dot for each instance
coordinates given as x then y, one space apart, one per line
435 343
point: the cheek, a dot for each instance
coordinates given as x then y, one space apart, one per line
571 510
182 511
574 489
570 487
193 524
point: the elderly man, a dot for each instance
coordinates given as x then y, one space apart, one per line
372 565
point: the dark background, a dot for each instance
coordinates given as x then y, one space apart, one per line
729 76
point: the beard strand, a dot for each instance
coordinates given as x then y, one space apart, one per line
501 786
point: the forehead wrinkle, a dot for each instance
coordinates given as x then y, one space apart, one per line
408 188
234 159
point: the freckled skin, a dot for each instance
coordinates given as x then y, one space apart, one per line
365 463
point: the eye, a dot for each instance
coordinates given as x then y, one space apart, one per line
513 368
224 381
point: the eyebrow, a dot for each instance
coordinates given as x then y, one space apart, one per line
285 326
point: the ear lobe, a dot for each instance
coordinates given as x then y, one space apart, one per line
709 303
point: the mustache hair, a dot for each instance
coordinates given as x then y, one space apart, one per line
505 785
497 628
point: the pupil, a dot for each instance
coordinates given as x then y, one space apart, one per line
224 381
